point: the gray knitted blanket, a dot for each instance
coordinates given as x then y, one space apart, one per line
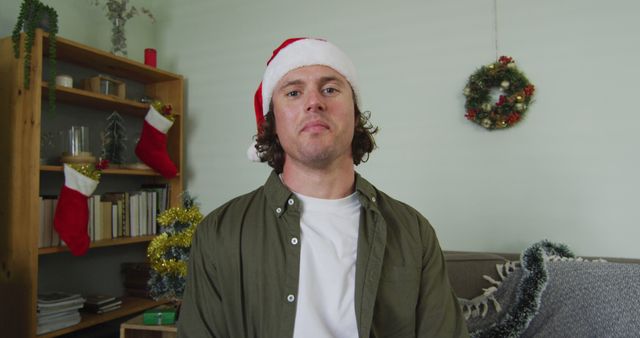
550 293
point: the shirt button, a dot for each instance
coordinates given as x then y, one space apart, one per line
373 199
290 201
294 241
291 298
279 210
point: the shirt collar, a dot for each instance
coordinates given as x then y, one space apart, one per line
367 192
278 195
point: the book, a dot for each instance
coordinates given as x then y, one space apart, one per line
57 298
61 323
55 238
111 305
49 213
117 200
106 219
142 213
99 299
55 316
50 310
134 220
90 226
154 213
114 221
42 220
126 209
162 190
118 217
108 309
97 218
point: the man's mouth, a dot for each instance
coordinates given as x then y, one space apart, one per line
315 126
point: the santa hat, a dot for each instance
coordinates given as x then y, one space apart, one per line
291 54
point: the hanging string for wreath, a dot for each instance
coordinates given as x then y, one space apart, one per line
515 95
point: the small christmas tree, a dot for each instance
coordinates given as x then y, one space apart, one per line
114 139
169 252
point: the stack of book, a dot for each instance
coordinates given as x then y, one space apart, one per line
101 304
58 310
136 279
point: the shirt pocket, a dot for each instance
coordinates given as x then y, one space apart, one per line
395 309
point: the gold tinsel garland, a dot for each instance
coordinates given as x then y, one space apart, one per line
88 170
163 242
164 109
170 216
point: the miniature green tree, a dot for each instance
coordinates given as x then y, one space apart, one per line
114 139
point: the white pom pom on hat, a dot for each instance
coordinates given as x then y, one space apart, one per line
291 54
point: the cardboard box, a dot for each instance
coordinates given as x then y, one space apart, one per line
105 85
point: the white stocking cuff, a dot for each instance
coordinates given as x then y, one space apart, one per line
73 179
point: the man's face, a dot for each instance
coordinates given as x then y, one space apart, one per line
315 117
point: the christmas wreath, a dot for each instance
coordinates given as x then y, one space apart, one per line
516 94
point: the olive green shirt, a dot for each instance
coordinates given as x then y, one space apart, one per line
244 268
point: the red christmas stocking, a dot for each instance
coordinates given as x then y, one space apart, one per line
72 213
152 147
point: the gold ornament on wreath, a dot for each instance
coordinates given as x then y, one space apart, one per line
516 94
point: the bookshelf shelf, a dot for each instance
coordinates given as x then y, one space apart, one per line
130 305
95 100
115 171
99 244
79 54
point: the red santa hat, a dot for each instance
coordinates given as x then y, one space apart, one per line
291 54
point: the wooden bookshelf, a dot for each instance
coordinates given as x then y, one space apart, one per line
99 244
130 305
21 172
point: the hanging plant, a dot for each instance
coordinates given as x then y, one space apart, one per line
516 93
34 14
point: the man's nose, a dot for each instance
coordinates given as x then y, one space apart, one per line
315 102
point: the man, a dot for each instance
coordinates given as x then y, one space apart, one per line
317 251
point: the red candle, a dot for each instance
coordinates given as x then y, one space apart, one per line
150 57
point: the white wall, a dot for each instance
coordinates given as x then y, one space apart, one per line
81 21
566 173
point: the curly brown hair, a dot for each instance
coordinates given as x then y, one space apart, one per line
270 150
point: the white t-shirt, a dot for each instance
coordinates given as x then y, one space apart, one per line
326 292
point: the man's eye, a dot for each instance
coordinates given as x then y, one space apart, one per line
330 90
293 93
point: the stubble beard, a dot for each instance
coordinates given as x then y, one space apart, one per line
317 156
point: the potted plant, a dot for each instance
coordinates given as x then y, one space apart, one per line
34 14
119 12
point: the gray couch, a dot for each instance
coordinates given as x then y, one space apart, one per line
558 296
466 269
